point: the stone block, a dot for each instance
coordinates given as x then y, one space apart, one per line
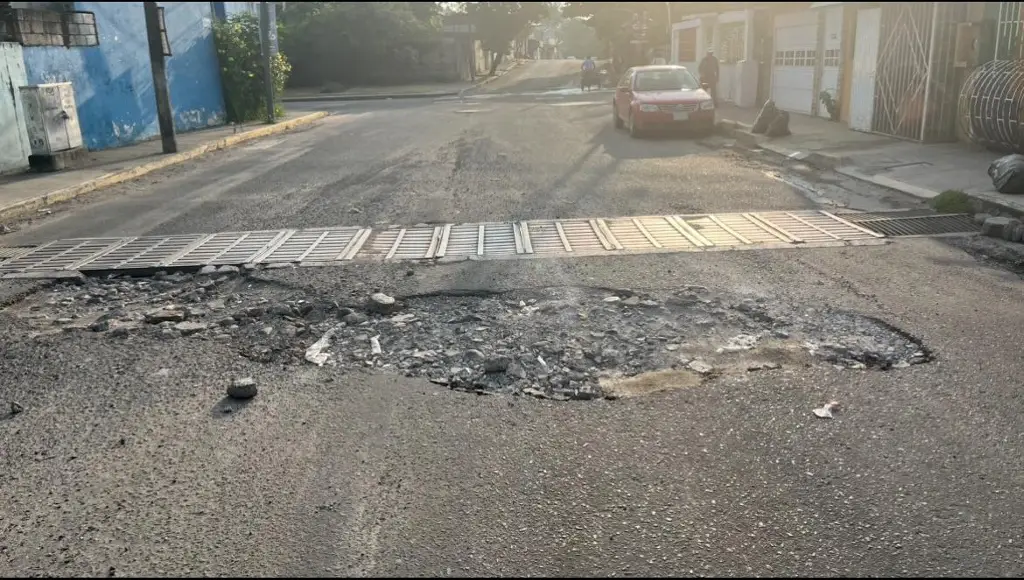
998 227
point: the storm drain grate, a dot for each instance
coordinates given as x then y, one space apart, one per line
479 241
918 225
14 252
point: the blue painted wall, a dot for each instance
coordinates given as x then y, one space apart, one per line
232 8
114 84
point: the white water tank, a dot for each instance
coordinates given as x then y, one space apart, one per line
51 118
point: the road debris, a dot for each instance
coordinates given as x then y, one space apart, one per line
382 303
169 313
826 411
571 340
244 388
16 408
315 353
498 364
700 367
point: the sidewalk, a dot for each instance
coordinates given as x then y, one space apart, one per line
417 91
916 169
23 193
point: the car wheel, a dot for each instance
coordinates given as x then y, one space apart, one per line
615 116
634 132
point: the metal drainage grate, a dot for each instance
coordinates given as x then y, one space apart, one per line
13 252
481 241
858 215
917 225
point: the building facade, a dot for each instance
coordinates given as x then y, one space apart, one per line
102 49
893 68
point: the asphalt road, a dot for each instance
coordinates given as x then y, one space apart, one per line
121 463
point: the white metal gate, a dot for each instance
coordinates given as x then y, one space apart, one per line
1010 31
865 63
915 96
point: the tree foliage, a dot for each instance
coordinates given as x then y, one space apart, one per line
619 24
497 24
580 40
241 68
360 42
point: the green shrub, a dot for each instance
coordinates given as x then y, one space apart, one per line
241 69
952 201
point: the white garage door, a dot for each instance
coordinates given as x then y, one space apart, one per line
796 54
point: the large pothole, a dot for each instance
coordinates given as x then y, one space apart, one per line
562 343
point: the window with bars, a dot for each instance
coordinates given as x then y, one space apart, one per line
732 42
8 31
798 58
46 27
832 57
687 51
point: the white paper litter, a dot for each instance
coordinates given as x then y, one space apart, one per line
315 353
825 412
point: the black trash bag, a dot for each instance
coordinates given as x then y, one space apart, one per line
765 117
779 127
1007 174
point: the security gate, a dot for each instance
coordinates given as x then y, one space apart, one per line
1010 31
915 96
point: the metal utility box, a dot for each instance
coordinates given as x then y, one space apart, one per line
51 118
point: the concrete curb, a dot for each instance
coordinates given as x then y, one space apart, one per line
373 97
138 171
341 97
839 164
741 132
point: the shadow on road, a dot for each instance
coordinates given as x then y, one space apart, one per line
228 406
359 106
619 145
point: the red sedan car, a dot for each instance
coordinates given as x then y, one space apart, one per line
662 97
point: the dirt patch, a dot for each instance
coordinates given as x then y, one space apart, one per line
648 383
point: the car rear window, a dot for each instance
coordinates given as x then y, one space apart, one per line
665 80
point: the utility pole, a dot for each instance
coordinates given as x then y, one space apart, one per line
668 11
268 41
159 68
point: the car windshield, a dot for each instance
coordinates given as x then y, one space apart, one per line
665 80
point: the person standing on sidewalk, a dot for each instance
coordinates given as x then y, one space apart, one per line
708 71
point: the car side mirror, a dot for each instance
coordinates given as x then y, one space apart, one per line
705 86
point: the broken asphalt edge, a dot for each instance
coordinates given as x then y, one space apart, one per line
138 171
826 162
389 96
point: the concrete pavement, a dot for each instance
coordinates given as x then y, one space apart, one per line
23 193
923 171
124 463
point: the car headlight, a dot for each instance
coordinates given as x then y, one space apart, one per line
707 105
648 108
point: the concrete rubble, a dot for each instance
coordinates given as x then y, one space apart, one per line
557 343
1006 228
